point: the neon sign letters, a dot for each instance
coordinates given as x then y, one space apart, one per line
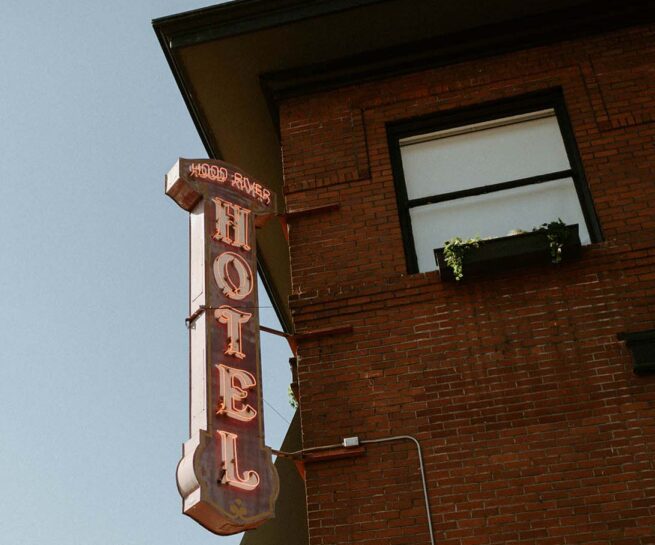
236 179
226 477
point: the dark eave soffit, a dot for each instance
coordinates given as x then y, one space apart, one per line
244 16
532 31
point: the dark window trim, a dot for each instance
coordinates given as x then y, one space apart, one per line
548 99
491 188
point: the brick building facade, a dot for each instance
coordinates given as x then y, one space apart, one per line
533 426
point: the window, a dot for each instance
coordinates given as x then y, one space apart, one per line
486 172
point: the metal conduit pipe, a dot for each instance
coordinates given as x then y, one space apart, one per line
421 467
348 442
296 453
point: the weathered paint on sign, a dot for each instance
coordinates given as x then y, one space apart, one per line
226 477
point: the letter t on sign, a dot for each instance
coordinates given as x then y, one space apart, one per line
233 319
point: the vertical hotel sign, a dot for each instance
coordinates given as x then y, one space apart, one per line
226 477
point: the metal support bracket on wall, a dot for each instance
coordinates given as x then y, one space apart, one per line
292 338
300 212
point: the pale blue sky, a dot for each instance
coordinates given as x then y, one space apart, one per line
93 349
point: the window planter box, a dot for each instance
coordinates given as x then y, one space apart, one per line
510 252
642 346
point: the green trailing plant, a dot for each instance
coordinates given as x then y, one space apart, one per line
454 251
456 248
557 235
292 398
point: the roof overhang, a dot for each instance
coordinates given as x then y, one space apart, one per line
234 61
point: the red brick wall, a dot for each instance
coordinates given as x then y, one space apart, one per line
533 426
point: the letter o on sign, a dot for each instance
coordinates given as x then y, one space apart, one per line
233 275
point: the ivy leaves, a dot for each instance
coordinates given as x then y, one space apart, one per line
454 251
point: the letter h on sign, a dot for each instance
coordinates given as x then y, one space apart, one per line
226 477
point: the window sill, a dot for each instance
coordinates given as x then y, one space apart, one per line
510 252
